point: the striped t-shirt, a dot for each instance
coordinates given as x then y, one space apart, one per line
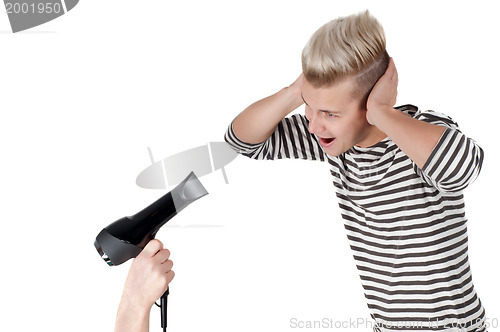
406 226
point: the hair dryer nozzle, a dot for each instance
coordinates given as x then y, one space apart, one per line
188 191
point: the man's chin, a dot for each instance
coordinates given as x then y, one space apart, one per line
333 152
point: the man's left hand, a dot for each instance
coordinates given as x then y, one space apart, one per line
383 95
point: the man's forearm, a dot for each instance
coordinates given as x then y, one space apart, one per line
259 120
131 318
415 138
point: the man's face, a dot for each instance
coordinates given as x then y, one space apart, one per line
336 118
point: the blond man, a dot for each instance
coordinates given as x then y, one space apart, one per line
398 173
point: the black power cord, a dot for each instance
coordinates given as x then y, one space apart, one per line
163 308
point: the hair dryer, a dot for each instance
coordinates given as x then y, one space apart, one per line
126 237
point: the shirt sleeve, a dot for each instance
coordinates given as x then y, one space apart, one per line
455 161
291 139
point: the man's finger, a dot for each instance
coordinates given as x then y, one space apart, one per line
170 275
167 266
152 248
162 255
391 67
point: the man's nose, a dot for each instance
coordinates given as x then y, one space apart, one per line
315 125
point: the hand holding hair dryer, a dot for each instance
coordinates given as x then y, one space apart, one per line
126 237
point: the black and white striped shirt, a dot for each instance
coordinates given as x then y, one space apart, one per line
406 226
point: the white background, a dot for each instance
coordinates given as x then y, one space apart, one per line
83 96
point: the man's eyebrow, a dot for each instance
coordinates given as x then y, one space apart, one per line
324 111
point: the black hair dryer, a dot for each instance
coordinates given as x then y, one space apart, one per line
126 237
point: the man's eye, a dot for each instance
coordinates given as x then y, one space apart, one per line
330 115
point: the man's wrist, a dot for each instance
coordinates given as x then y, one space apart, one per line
382 116
129 304
293 95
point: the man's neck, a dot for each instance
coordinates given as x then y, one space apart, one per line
374 136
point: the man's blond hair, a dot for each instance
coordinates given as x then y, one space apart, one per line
347 47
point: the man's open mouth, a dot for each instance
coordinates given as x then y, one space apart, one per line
326 141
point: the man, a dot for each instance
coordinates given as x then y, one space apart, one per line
398 173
